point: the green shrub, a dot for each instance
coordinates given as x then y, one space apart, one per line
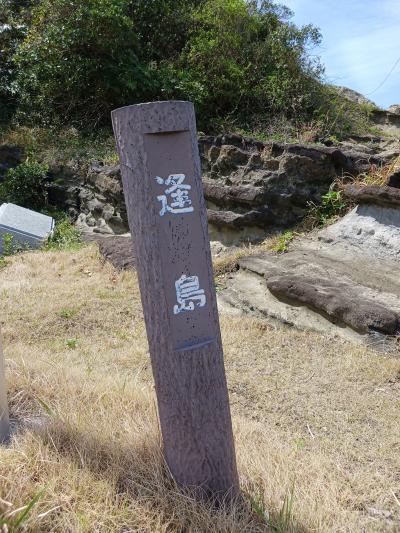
339 116
24 185
245 59
65 235
283 242
243 63
80 59
331 206
14 21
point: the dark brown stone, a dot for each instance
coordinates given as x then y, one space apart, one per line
335 301
394 180
234 220
373 194
222 195
116 249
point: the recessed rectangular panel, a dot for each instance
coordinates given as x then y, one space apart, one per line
181 238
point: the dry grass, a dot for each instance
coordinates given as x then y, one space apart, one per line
312 414
228 263
376 175
62 146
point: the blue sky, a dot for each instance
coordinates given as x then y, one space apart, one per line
361 43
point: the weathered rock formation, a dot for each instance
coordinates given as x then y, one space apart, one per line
373 194
395 109
387 121
342 279
118 249
94 199
354 96
251 187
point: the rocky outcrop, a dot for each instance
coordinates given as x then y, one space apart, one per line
387 121
94 199
339 281
102 205
336 300
117 249
354 96
251 187
373 194
395 109
342 279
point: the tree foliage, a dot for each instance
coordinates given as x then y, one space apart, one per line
78 60
247 59
14 22
24 185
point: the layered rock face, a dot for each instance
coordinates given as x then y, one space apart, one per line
388 121
94 199
251 187
342 279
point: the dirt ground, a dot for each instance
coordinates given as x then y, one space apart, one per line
316 418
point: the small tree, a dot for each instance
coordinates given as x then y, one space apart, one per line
24 185
247 59
80 60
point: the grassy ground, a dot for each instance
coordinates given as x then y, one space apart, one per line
316 419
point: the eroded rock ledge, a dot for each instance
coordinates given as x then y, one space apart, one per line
372 194
338 301
251 187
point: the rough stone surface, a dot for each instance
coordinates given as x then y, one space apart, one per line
395 109
343 279
354 96
117 249
387 121
394 180
247 293
231 219
269 185
372 194
372 229
252 188
337 301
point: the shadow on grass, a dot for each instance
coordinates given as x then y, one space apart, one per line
138 474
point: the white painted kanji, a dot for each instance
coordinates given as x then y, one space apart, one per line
176 198
188 294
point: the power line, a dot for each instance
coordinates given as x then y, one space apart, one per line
386 78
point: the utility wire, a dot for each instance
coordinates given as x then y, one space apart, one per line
386 78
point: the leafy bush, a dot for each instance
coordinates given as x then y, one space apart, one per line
246 59
65 236
24 185
338 116
283 242
331 206
79 59
14 20
244 64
